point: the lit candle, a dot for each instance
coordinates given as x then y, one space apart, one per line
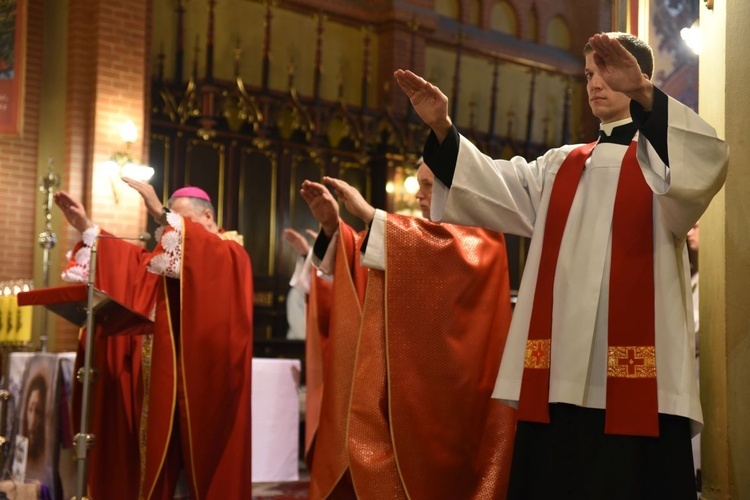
5 299
12 335
23 328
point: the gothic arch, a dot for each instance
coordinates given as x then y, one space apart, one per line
503 18
475 12
533 25
448 8
558 33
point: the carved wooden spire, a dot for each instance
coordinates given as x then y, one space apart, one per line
530 113
318 57
493 96
566 110
266 47
210 41
365 67
457 76
237 54
180 41
160 63
414 28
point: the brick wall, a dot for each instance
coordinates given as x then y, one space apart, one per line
18 165
107 47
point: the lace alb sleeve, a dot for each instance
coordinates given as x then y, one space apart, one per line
167 256
77 269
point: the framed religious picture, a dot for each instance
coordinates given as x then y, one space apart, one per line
12 68
33 384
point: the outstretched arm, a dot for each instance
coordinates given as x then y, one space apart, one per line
428 101
353 200
297 241
620 70
322 205
73 211
150 198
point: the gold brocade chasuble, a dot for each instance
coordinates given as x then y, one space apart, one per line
406 410
316 353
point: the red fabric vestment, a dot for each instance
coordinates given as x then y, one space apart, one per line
200 367
116 394
316 355
406 403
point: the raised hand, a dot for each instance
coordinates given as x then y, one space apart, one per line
297 241
323 206
428 101
150 198
620 70
353 199
73 211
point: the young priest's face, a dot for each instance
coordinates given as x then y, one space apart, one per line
606 104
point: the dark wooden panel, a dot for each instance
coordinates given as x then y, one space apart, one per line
204 167
302 168
159 158
257 209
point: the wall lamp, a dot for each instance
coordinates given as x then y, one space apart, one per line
122 163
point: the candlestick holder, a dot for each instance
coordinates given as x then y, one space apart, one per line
47 238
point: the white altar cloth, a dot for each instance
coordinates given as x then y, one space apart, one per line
276 419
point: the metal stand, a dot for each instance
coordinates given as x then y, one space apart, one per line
83 440
47 238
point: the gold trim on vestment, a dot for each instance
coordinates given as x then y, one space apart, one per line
538 354
146 347
631 362
174 364
342 254
182 368
233 236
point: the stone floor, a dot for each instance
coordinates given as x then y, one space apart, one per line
291 490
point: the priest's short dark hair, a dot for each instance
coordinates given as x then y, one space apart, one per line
640 50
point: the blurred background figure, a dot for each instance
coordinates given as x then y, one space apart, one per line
296 298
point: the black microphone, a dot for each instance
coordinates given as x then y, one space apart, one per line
140 237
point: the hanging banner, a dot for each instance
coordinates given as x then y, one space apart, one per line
12 58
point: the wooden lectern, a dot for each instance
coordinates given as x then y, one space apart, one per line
84 305
70 302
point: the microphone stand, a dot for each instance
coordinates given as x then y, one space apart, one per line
83 440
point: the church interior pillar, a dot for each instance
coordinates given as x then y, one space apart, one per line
725 257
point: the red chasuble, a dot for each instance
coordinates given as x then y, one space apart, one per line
117 391
316 355
199 373
406 404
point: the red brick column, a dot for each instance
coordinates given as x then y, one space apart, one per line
106 86
18 164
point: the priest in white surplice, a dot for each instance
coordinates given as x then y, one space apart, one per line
600 352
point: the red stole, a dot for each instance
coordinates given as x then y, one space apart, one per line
632 405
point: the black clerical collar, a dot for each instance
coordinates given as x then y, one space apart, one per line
621 132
